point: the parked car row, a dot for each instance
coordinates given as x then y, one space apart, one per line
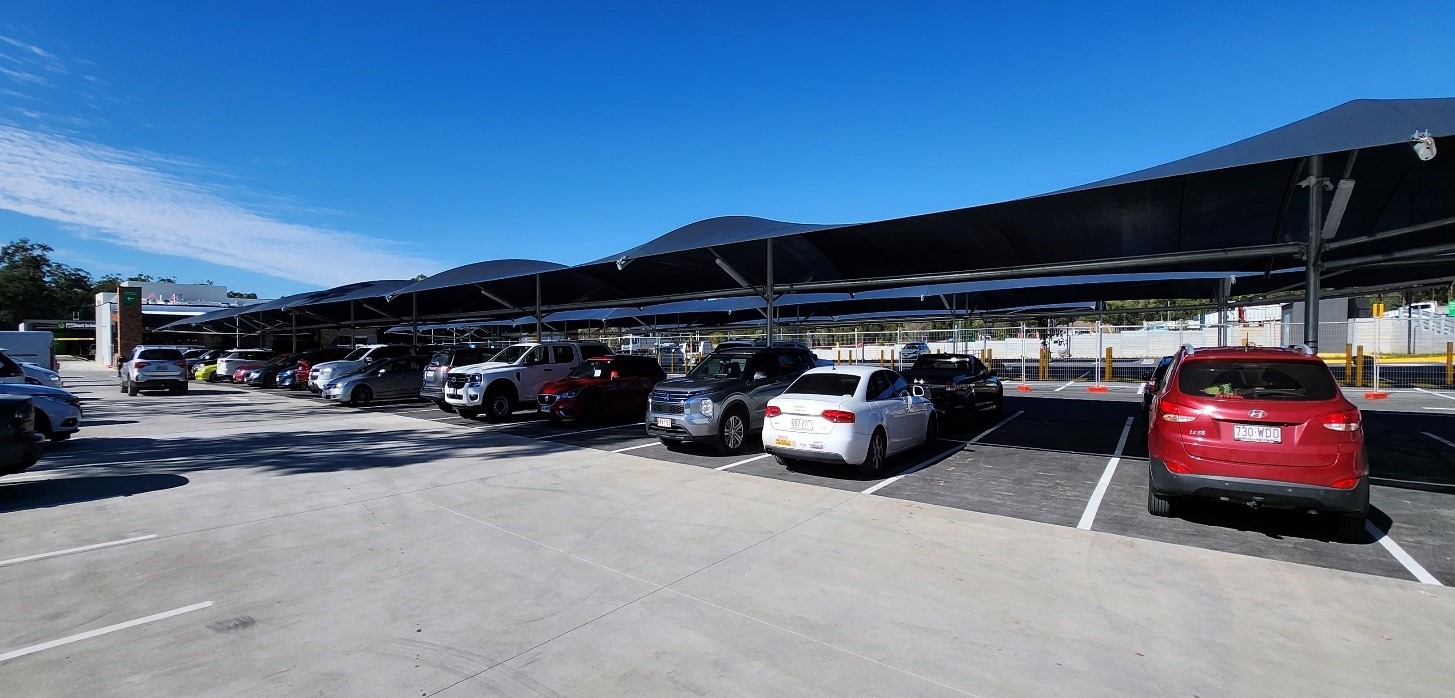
31 413
856 416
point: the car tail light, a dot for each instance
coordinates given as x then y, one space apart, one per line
772 411
180 364
1173 412
142 364
1347 483
1341 421
839 416
1178 468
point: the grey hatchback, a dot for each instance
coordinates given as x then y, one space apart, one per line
386 379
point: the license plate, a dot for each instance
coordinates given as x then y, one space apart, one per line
801 425
545 408
664 422
453 394
780 441
1257 434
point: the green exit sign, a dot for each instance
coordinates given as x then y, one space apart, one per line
130 296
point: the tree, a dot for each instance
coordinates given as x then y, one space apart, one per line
34 287
240 294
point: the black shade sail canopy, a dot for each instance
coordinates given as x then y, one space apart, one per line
1244 208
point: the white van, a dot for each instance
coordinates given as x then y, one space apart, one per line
38 348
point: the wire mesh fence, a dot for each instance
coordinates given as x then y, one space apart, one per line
1371 353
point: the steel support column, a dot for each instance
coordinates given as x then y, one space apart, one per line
539 316
1313 255
768 292
295 331
1224 289
353 335
414 319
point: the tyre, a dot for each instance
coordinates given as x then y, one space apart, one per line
213 378
498 405
999 410
467 412
183 390
444 406
874 459
1349 528
131 389
732 432
123 385
361 396
43 425
932 431
1158 505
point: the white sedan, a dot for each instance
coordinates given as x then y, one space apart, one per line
855 415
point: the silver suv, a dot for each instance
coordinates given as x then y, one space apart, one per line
154 368
721 401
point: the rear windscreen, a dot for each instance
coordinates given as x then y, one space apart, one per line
836 384
1261 380
160 355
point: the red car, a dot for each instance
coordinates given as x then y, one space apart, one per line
607 384
1259 426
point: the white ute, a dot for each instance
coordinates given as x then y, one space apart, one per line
514 376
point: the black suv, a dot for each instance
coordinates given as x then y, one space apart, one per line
721 401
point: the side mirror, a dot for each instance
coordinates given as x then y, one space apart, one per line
759 376
917 391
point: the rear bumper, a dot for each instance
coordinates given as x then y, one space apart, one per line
433 393
1264 492
159 383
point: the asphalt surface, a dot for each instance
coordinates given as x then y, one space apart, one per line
239 541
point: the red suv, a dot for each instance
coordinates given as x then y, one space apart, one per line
606 384
1261 426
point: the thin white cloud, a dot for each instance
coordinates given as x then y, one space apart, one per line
128 199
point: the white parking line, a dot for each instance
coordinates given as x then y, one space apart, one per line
1068 384
1431 392
633 448
102 631
939 456
1437 438
588 431
1111 467
1404 558
1141 387
81 549
1440 409
743 462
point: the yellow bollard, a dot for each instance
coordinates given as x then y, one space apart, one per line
1359 366
1348 363
881 358
989 356
1449 363
1108 365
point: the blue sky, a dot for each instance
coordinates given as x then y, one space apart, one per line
282 149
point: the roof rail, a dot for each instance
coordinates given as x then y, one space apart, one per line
1302 349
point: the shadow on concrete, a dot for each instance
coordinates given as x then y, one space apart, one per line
21 496
1278 524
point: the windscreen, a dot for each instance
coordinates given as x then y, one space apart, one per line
357 354
160 355
721 366
600 368
1257 380
834 384
512 353
942 362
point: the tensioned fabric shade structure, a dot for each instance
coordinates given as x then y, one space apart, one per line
1244 207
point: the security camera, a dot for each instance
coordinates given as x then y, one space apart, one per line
1424 145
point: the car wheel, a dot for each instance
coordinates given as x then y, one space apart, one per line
498 405
874 459
123 385
732 433
999 408
466 412
1158 505
212 378
1350 527
361 396
43 425
131 389
932 431
444 406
